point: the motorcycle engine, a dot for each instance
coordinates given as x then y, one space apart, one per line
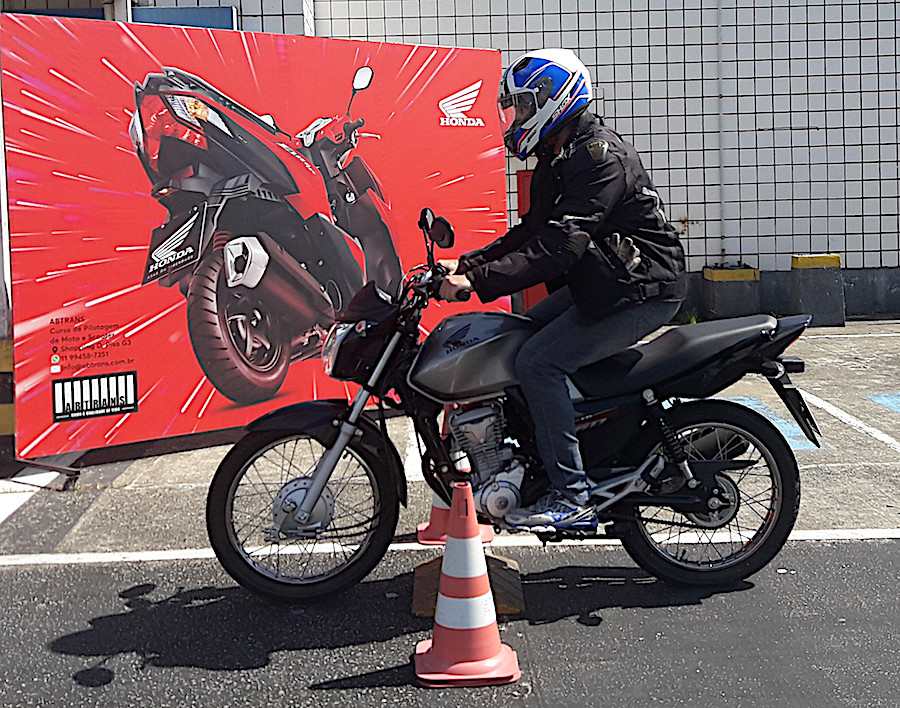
496 474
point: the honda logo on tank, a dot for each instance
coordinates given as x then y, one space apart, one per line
191 210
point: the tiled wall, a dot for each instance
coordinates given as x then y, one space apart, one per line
769 126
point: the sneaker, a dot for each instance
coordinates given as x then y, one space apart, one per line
552 509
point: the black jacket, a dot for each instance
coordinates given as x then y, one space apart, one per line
595 187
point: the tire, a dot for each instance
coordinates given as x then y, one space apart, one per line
242 499
703 549
242 346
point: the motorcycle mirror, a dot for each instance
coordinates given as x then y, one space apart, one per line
437 228
362 78
426 219
441 233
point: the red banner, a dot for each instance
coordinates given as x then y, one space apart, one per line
190 210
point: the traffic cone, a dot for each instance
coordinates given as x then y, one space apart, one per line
465 648
434 531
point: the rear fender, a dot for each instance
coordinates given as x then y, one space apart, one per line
793 401
775 368
319 420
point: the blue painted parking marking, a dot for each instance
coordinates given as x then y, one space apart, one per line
888 400
791 431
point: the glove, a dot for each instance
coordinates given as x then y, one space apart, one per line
625 250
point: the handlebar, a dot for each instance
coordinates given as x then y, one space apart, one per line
432 280
350 126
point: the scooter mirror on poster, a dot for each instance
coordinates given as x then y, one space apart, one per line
362 78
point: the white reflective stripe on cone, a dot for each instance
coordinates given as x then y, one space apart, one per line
464 558
438 503
465 612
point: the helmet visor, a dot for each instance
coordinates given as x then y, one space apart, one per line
515 109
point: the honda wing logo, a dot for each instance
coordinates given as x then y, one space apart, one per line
170 250
459 340
177 250
455 107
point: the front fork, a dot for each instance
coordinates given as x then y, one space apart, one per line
348 428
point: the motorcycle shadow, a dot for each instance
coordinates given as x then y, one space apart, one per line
583 592
230 629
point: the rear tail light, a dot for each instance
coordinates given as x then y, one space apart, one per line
158 120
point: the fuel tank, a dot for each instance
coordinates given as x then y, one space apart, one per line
469 356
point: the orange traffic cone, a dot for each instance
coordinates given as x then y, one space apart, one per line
465 648
434 532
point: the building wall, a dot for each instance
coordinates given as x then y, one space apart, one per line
769 126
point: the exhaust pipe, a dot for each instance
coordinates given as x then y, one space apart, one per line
261 265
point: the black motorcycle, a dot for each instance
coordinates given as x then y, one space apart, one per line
699 491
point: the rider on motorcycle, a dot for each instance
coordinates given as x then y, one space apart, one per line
597 235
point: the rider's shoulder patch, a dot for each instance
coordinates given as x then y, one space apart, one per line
598 149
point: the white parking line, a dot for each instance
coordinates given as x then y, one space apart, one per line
513 541
850 336
17 490
852 421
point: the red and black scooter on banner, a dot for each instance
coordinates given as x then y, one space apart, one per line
260 224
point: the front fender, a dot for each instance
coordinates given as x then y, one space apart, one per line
317 419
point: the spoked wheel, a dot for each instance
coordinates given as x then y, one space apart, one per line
759 497
251 517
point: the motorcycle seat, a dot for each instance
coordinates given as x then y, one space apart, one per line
676 352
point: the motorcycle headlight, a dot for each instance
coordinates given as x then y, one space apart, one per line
332 343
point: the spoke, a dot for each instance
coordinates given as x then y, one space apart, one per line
296 558
696 544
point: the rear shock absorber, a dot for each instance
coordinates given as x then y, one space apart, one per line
672 448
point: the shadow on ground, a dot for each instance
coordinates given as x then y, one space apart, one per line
229 629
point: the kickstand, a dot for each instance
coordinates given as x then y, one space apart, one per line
72 475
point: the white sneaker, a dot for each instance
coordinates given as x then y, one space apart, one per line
552 509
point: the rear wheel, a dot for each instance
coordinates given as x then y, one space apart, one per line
255 536
728 544
241 344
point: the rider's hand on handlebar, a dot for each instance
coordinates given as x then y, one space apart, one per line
455 288
451 264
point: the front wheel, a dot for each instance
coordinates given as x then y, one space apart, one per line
262 546
728 545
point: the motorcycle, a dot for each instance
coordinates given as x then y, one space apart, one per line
259 227
699 491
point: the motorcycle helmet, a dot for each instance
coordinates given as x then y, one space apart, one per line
540 92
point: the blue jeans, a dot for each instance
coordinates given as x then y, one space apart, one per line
562 344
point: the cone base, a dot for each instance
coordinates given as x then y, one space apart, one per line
428 536
434 672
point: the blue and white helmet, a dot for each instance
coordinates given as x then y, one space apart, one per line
539 92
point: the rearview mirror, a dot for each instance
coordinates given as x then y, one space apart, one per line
362 78
437 228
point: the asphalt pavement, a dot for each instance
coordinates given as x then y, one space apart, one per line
111 597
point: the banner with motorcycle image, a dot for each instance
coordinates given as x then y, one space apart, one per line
190 210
